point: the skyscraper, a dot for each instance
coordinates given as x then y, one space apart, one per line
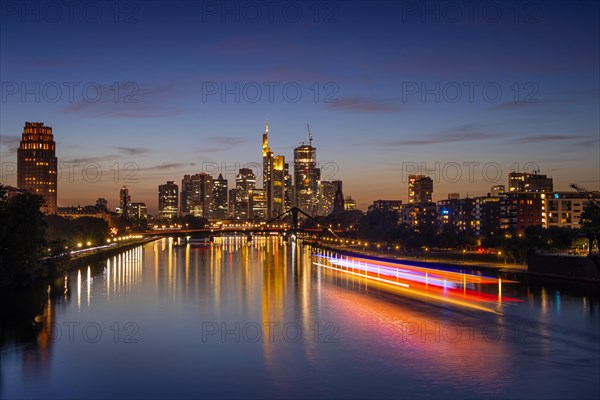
326 198
37 163
420 189
245 182
219 200
168 199
274 177
306 177
124 200
196 195
338 203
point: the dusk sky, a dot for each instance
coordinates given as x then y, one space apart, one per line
368 74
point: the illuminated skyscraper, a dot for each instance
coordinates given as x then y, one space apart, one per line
306 178
274 177
326 198
168 199
245 182
219 193
37 163
124 200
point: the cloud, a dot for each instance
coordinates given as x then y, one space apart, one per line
462 133
165 166
9 143
364 104
221 143
89 160
44 63
545 138
128 100
132 151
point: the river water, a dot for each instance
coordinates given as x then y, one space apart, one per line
272 319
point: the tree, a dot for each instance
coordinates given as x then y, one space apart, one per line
21 236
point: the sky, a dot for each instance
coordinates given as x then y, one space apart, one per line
138 93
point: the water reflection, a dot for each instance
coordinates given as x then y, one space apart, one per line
320 328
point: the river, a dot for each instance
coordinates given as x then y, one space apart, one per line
273 319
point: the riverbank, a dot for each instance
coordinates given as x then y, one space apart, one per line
100 254
49 268
423 260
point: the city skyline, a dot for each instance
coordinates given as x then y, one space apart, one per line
371 120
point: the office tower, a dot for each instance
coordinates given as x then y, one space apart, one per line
420 189
338 202
196 195
497 190
326 198
232 203
529 182
186 195
274 177
219 194
268 161
277 200
137 211
288 194
124 200
168 199
258 204
306 177
245 182
37 164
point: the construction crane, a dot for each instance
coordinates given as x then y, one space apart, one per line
594 198
309 135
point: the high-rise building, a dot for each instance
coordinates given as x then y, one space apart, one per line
196 195
219 193
338 202
245 182
37 164
453 196
326 199
288 194
124 200
232 203
306 178
138 211
258 204
420 189
168 200
274 178
529 182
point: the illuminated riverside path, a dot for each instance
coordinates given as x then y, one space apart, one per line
276 319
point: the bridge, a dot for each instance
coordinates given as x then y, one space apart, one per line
270 227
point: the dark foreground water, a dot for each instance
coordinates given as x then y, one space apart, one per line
266 320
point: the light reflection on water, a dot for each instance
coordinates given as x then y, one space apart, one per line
261 319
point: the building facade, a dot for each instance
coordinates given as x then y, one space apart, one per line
168 200
306 178
37 164
420 189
